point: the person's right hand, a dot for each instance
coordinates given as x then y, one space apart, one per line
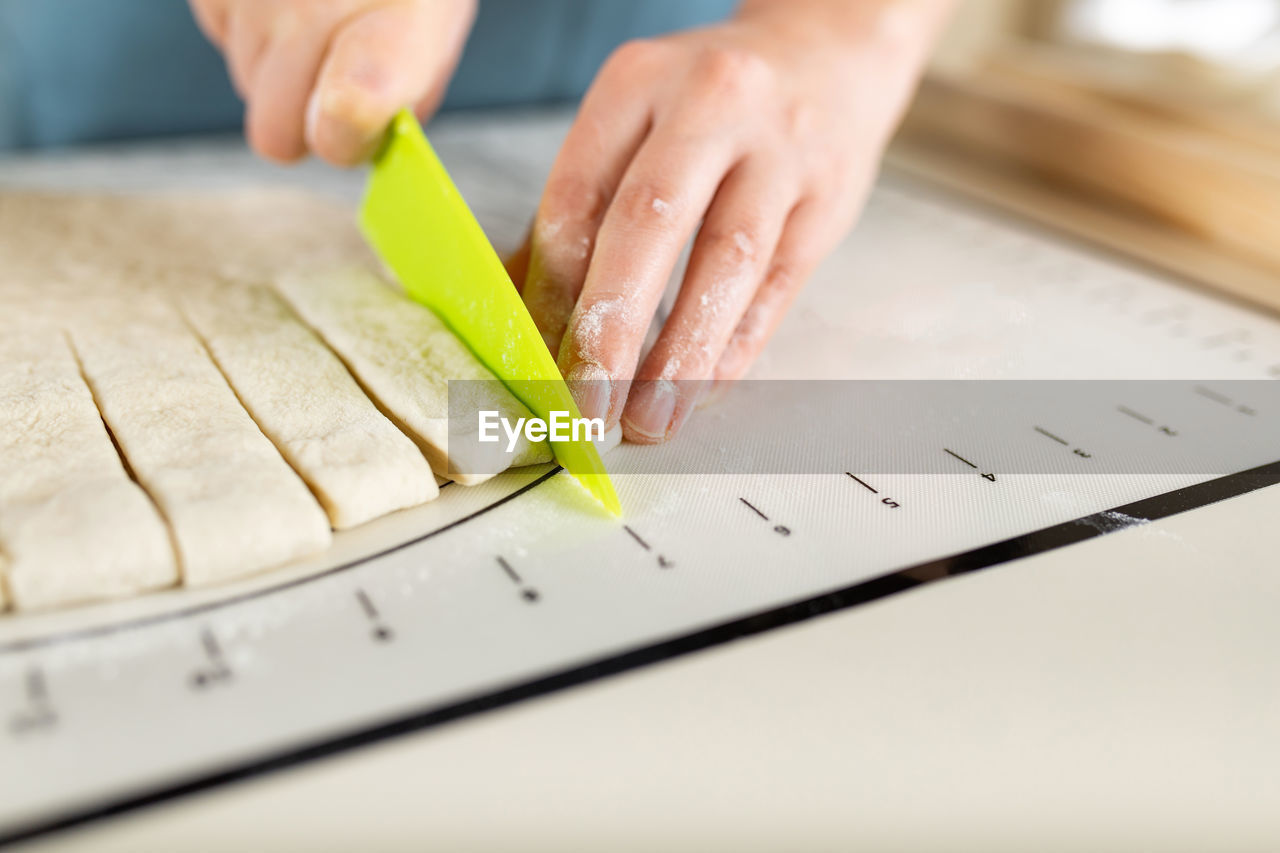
326 76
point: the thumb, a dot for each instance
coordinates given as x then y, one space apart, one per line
380 61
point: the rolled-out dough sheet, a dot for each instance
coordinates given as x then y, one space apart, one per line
357 463
246 234
233 505
73 526
404 356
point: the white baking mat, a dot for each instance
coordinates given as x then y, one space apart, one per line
499 586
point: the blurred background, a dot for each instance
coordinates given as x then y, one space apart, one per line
1151 123
1215 53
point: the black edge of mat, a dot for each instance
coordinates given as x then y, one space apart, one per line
1040 541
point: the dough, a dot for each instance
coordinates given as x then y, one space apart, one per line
404 356
73 526
233 504
185 310
355 460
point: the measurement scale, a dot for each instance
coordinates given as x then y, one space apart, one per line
500 592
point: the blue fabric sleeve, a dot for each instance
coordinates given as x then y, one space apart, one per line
525 51
88 70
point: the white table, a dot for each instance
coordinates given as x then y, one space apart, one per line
1120 693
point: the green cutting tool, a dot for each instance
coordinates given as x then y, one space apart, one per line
421 227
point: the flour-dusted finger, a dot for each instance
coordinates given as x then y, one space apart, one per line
73 526
812 228
729 257
661 200
355 460
612 122
405 357
233 505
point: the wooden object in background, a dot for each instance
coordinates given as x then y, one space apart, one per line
1173 88
1188 182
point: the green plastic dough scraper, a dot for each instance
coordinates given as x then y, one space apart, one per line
419 224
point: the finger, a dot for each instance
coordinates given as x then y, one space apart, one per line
663 195
427 105
381 61
212 16
728 261
283 80
517 263
813 230
807 237
604 138
246 39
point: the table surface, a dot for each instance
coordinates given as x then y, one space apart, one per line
1121 693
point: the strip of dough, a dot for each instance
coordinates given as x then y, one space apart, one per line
233 504
73 526
405 357
355 460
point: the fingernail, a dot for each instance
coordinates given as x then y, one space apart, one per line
343 125
591 389
651 408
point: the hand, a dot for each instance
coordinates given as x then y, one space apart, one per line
326 76
766 130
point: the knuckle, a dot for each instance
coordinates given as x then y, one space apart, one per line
800 121
739 244
634 55
785 276
647 202
733 71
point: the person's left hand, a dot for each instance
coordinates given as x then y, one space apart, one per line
768 131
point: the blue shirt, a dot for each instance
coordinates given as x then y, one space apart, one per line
86 70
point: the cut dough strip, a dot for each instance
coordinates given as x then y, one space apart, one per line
404 356
233 505
73 526
355 460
